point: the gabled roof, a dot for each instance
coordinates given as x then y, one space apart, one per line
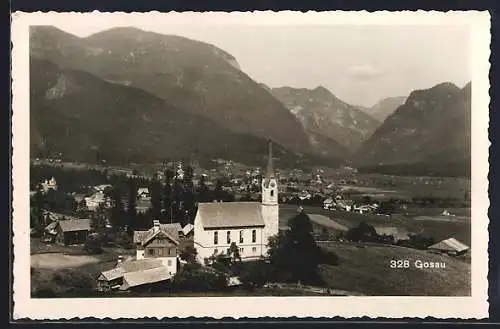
230 214
134 279
450 244
151 236
130 266
143 190
72 225
187 229
171 230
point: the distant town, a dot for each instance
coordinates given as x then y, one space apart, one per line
176 229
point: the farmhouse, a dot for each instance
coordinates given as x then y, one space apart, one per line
143 193
449 246
49 185
247 224
131 274
160 242
72 231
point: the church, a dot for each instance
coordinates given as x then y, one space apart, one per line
248 224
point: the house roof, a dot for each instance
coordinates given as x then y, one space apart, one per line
72 225
134 279
450 244
187 229
130 266
171 230
230 214
51 227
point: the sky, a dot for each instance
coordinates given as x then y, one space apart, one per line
360 64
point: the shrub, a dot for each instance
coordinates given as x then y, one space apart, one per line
193 277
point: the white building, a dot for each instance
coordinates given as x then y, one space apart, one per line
159 242
95 200
248 224
49 185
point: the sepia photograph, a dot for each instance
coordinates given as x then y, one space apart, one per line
328 157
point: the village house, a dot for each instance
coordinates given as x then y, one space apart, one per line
328 204
159 242
143 194
132 273
450 246
97 199
72 231
48 185
247 224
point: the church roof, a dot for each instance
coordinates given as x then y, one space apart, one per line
230 214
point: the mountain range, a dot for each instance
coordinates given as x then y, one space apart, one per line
189 75
333 126
430 130
127 95
383 108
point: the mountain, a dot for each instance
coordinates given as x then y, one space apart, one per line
430 130
89 119
192 76
332 125
385 107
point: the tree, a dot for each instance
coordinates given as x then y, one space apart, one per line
117 211
256 274
167 195
156 198
203 191
189 254
132 204
218 191
234 252
37 217
294 255
189 195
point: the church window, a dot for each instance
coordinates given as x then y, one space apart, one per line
228 239
216 237
272 193
254 249
216 251
254 236
241 250
241 236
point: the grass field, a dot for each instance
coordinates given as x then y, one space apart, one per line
434 226
366 269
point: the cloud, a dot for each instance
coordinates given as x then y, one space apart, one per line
365 72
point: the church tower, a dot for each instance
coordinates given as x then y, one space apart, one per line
270 207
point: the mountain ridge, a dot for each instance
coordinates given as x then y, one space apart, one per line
191 75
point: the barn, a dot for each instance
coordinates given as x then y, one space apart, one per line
72 231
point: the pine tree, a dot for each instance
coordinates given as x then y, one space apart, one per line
132 204
203 191
167 196
117 211
156 198
189 195
218 191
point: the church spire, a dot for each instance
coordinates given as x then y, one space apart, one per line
270 169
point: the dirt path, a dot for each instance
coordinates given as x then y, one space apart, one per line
59 260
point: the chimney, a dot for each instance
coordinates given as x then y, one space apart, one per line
156 225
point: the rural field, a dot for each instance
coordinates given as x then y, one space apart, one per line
366 268
432 224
